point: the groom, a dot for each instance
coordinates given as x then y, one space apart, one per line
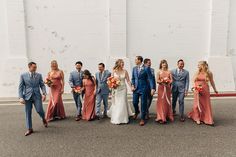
142 78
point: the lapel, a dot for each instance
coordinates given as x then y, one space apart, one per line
103 75
137 74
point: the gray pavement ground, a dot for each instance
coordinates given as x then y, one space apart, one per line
68 138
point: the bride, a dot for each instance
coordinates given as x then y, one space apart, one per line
120 109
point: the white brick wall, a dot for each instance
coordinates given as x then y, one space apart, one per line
103 30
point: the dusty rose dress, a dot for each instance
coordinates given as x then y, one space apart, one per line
88 112
164 109
55 107
202 104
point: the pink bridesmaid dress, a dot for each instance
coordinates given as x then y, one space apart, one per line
164 109
202 110
88 112
55 108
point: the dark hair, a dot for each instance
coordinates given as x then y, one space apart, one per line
79 62
31 63
146 60
163 61
180 60
140 58
102 64
87 72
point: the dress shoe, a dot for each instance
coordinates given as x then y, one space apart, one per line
142 123
45 123
97 117
29 132
105 116
182 119
78 118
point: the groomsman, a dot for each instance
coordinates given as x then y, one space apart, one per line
76 81
180 86
102 90
148 63
29 93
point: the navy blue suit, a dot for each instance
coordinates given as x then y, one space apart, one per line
142 80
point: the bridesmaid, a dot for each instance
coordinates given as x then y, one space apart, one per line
202 111
89 88
164 79
55 108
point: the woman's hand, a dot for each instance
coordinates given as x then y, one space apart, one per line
62 91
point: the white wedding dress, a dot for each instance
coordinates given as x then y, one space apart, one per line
120 110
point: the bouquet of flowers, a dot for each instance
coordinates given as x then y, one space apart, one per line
198 88
166 80
113 82
48 82
77 89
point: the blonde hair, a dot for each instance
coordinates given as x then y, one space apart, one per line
205 69
118 64
54 62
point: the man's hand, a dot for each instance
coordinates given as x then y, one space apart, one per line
43 98
186 93
152 92
132 88
22 101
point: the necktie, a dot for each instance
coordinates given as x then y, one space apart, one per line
100 76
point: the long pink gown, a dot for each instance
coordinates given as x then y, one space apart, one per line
202 110
164 109
55 108
88 112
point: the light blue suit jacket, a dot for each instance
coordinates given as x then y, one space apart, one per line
102 87
31 86
76 79
180 81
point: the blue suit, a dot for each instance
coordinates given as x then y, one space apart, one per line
150 97
76 79
29 90
180 85
142 80
102 91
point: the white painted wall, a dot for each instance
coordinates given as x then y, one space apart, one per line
232 35
96 31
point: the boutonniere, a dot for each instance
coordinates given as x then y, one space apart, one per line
142 67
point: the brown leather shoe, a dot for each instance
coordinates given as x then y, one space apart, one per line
29 132
142 123
45 123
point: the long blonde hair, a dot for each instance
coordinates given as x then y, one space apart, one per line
55 62
205 69
118 64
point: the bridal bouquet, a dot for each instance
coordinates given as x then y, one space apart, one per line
112 82
198 88
48 82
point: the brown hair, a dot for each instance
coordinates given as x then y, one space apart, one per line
118 64
162 62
